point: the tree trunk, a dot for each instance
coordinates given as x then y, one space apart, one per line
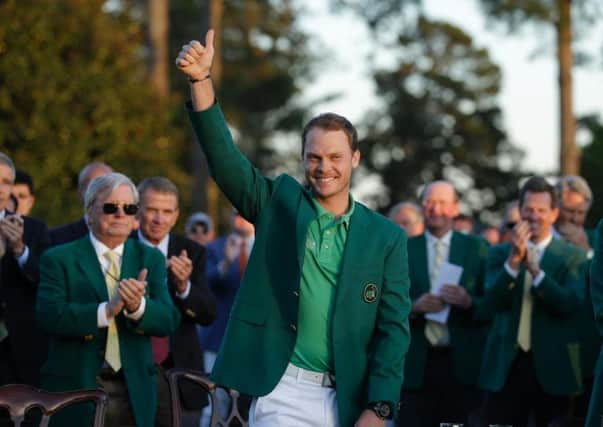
569 154
205 194
158 38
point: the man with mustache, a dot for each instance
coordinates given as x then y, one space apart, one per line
319 329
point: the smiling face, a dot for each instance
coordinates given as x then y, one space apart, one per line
328 164
158 214
537 209
440 207
112 229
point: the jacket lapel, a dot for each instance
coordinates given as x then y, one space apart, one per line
90 267
129 265
457 252
418 263
353 254
305 215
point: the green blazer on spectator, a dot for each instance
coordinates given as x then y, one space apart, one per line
555 343
369 335
72 285
467 330
595 409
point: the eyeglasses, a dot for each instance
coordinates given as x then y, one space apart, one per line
510 225
128 208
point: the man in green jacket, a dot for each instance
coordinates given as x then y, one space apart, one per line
100 299
443 361
533 288
319 329
595 409
575 199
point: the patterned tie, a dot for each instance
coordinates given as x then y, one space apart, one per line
112 281
243 257
436 333
524 333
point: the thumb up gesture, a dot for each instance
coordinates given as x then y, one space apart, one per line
195 60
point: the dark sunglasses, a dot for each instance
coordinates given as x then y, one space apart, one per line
128 208
510 225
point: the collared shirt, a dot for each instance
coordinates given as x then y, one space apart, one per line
431 241
21 260
540 247
325 245
101 314
163 248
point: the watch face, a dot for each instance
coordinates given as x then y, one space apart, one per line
383 410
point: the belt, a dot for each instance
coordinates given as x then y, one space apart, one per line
324 379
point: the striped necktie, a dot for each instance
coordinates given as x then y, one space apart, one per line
436 333
112 280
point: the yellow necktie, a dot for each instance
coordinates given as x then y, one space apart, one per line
112 281
524 333
436 333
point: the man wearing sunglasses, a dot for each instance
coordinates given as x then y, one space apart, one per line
187 287
319 329
100 299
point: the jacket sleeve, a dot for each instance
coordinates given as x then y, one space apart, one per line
161 317
241 182
392 334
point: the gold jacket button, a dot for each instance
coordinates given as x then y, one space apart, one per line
293 327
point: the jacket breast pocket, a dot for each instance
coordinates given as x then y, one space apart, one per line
250 314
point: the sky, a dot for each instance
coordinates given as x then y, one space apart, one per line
529 95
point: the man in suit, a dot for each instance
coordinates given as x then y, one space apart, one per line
187 287
595 410
101 298
319 329
23 190
574 199
442 365
533 288
22 345
408 216
78 229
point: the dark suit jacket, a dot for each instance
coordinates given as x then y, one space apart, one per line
467 330
555 343
68 232
595 410
225 288
18 290
198 308
72 286
369 334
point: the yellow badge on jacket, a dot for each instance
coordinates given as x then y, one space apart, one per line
370 293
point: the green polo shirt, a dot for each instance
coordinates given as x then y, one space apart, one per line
325 243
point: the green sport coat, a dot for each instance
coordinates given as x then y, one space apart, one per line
555 343
369 335
467 330
595 410
72 285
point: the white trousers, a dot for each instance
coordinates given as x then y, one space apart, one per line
295 402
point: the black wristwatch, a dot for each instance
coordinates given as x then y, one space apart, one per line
384 410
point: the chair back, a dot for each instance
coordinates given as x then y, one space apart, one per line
174 376
20 398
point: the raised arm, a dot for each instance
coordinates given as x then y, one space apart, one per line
195 62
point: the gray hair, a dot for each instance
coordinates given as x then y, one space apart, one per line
83 178
5 160
576 184
158 184
101 187
406 205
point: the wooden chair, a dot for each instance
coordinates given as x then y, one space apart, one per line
176 375
20 398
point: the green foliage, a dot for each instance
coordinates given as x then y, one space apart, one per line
440 119
73 89
592 165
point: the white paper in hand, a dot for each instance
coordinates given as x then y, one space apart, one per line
449 274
